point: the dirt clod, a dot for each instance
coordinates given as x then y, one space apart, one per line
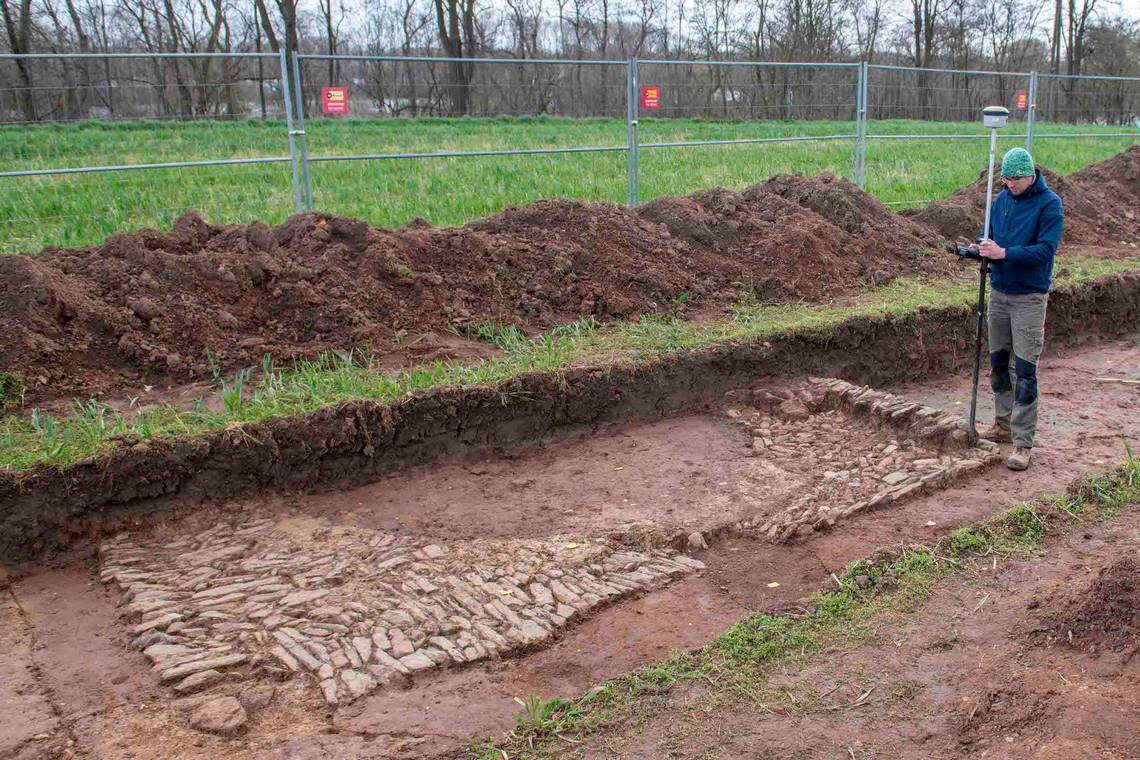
793 410
257 697
1105 615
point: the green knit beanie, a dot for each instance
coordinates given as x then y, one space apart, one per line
1017 163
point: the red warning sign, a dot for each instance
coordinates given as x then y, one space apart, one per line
1022 101
334 100
650 97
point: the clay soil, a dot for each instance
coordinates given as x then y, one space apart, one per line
959 678
145 308
1104 615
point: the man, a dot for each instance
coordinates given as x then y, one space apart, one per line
1025 225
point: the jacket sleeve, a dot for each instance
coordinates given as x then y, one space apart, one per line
1049 228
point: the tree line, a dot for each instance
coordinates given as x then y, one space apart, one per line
1062 37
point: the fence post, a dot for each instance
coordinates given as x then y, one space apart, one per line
298 93
859 116
290 132
1031 117
633 155
861 137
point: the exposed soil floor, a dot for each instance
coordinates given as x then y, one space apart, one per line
968 675
72 685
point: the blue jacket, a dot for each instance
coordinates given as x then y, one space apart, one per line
1028 227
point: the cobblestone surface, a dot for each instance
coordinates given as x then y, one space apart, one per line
854 448
354 609
350 609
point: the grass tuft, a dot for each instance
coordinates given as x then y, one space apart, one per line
11 390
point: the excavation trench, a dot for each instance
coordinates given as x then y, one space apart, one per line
535 516
376 580
46 510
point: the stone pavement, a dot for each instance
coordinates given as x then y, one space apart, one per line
853 448
352 608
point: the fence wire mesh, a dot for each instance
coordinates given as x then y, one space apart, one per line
36 89
1101 101
751 91
386 86
519 130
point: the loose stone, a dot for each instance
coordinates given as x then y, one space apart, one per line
223 716
416 661
215 663
401 645
358 683
198 681
328 690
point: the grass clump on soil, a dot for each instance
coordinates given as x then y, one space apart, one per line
504 336
77 210
11 391
91 427
736 664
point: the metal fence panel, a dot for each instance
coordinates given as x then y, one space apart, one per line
418 127
147 137
93 144
1102 111
1102 101
743 121
915 116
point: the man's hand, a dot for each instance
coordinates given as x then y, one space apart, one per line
991 250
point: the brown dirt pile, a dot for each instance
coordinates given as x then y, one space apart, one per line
1102 203
1105 615
801 238
145 307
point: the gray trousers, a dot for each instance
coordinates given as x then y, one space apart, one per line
1017 335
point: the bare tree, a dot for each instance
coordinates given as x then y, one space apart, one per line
266 26
1005 24
1055 40
288 11
713 25
455 20
867 17
18 25
925 17
332 25
1080 14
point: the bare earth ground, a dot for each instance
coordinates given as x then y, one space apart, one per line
969 675
72 686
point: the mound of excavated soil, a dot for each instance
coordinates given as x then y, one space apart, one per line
1102 203
149 305
1105 615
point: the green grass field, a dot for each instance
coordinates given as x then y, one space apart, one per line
83 209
